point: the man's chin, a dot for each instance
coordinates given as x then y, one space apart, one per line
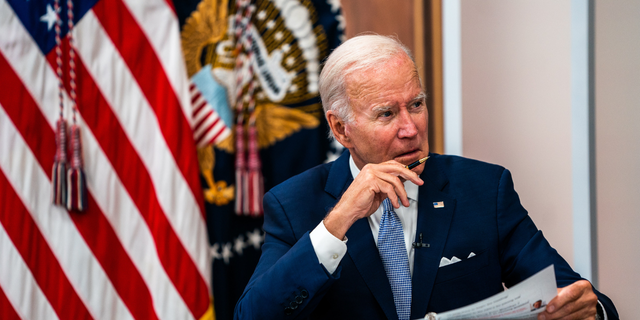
410 157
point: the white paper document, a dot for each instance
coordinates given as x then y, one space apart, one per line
522 301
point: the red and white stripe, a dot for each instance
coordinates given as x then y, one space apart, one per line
140 251
33 304
208 127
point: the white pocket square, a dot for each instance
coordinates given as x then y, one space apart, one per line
445 262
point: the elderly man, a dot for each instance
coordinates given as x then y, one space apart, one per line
365 237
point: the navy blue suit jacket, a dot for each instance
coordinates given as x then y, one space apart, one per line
481 214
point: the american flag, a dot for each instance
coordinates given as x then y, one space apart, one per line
140 249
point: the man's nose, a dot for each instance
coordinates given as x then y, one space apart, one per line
406 127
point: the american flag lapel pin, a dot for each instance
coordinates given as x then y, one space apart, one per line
439 204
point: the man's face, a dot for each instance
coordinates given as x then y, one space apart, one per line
389 115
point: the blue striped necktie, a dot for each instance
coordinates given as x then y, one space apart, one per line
393 253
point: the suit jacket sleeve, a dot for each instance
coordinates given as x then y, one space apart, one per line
288 280
523 248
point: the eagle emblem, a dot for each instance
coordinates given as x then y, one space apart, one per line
284 57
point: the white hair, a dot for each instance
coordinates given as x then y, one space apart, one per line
363 52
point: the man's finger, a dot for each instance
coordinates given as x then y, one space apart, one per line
397 189
402 172
574 301
566 310
411 176
392 194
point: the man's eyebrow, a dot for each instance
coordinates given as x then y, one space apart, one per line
385 107
421 96
381 108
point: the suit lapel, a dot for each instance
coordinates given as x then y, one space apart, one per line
339 177
361 247
434 225
363 251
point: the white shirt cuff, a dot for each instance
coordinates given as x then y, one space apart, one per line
328 248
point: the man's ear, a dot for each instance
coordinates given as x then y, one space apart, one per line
339 129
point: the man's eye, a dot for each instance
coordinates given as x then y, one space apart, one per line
417 104
385 114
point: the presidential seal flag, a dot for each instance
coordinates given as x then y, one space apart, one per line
136 247
255 65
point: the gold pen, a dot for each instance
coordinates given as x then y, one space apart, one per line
417 163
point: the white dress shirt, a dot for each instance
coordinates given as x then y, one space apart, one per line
330 250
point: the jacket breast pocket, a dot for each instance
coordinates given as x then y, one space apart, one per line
462 268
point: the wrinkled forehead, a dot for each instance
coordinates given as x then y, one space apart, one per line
362 82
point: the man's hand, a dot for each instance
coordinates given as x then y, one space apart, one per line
576 301
374 183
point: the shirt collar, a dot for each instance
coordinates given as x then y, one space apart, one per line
410 187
